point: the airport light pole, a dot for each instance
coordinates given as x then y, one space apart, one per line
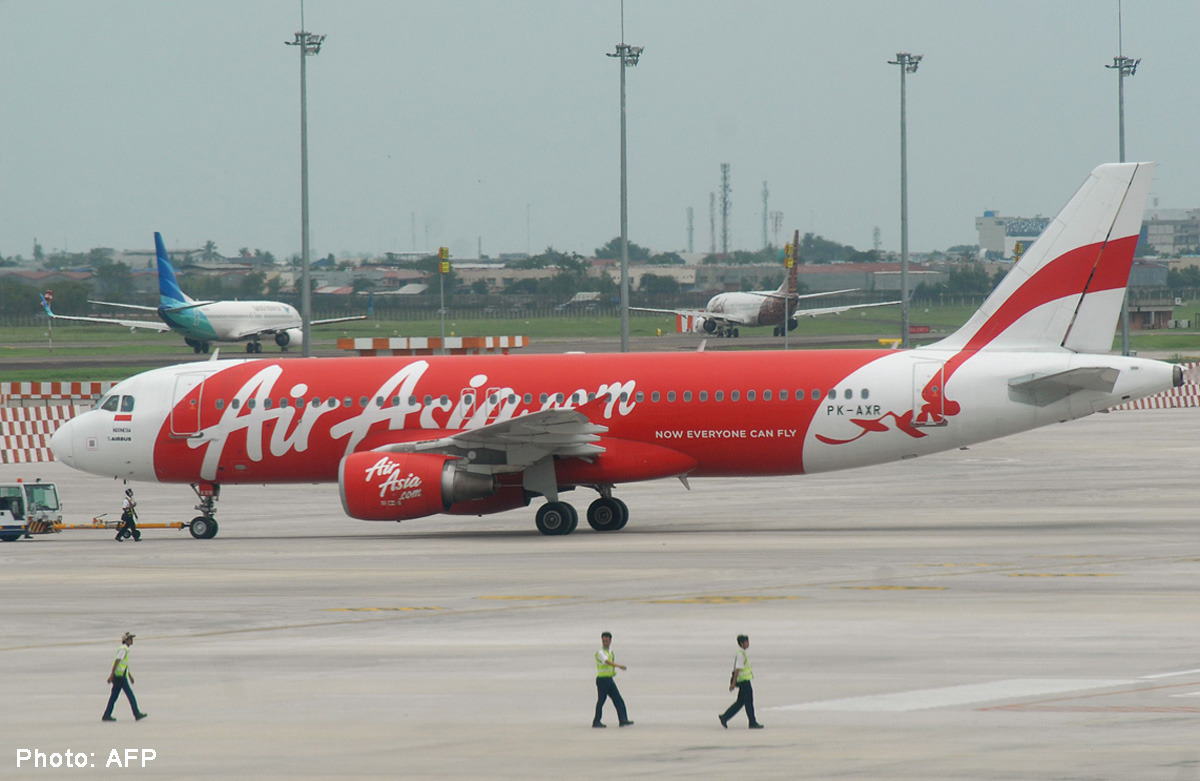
628 56
1124 66
309 45
908 64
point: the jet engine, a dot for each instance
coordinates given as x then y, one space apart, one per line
292 337
378 486
709 326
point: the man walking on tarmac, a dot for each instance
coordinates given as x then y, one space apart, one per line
128 527
606 669
741 677
121 678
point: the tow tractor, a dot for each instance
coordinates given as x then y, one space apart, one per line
27 509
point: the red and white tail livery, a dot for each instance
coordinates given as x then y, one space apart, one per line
410 437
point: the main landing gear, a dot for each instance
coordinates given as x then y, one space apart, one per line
204 526
197 345
253 347
605 514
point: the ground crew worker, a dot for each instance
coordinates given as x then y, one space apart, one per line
121 678
128 527
742 674
606 668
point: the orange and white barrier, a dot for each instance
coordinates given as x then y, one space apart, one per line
25 431
52 391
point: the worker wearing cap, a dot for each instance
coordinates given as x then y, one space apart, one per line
121 678
740 679
606 687
128 527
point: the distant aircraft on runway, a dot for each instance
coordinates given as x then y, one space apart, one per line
406 437
726 314
203 322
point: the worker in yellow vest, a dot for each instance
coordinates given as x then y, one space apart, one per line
606 669
121 678
742 674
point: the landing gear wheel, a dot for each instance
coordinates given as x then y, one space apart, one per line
203 528
554 518
604 514
624 514
736 333
574 519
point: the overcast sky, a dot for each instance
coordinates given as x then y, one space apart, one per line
498 120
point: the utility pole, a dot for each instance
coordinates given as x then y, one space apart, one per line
725 204
908 64
766 242
309 45
691 244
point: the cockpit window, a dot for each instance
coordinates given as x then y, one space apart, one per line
110 404
127 404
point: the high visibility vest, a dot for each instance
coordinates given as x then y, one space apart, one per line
604 660
745 671
122 663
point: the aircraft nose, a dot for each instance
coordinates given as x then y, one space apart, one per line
62 444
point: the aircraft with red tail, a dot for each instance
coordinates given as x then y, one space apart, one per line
407 437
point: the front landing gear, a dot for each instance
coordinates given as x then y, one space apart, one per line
204 526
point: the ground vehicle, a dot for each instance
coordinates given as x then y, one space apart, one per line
27 509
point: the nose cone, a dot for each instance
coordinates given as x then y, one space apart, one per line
62 444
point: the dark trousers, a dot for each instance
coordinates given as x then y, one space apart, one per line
121 684
745 698
128 528
605 688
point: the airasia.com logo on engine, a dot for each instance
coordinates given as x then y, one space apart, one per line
408 486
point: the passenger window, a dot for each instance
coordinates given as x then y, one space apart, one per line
783 395
266 404
378 401
316 402
444 400
559 398
624 396
591 397
236 403
395 401
220 403
734 395
127 404
412 401
332 402
251 403
866 394
428 400
347 402
687 395
654 396
284 402
833 393
749 395
671 396
493 399
766 395
528 398
110 404
362 401
703 395
640 397
849 394
816 395
719 396
300 403
544 398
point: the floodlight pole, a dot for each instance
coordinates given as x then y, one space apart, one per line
628 56
309 45
1124 66
908 64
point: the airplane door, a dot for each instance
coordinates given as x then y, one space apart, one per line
929 398
185 405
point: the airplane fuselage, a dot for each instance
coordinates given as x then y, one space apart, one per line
230 321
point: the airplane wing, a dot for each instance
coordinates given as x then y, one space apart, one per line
337 320
833 310
150 325
717 317
517 443
138 307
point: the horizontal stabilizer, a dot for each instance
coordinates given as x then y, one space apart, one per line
1049 388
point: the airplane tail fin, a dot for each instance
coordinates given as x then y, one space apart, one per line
1066 291
169 293
46 306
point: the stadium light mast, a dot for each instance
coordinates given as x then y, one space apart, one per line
309 45
1124 66
908 64
628 56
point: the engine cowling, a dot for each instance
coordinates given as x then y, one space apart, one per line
710 326
292 337
378 486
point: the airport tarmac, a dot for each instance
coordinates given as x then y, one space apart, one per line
1028 608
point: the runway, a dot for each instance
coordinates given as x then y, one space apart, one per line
1027 608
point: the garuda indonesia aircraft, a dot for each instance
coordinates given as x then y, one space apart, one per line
203 322
406 437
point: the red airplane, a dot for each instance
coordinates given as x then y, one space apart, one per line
410 437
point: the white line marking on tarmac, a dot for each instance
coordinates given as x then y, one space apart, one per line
1169 675
1189 694
959 695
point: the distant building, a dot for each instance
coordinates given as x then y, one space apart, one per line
999 235
1173 231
